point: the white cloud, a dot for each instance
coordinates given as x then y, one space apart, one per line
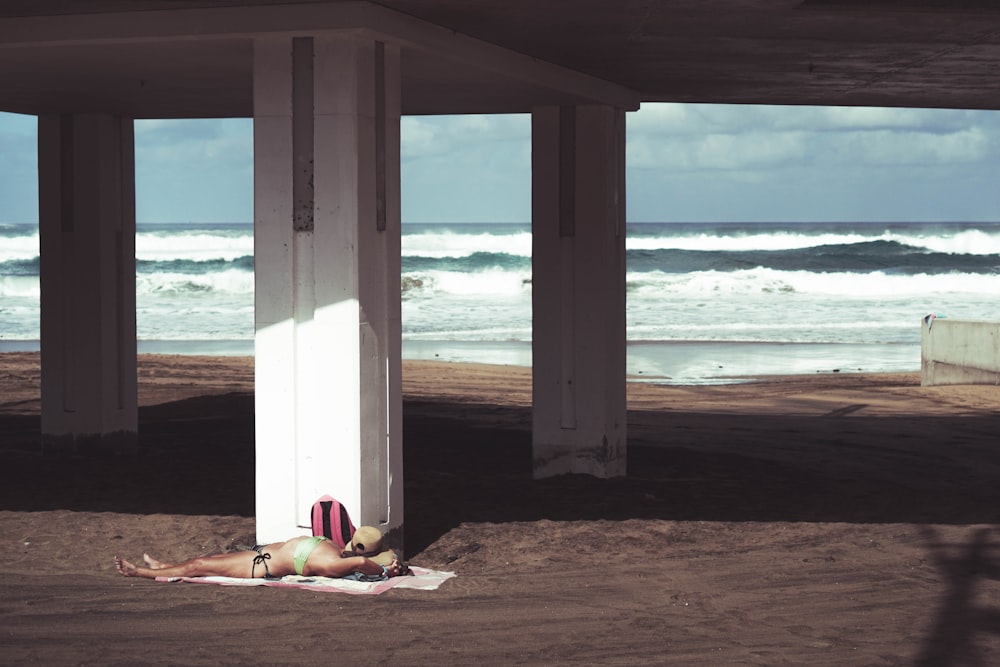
197 170
672 137
423 136
190 143
725 162
466 168
660 117
685 162
717 151
930 121
18 168
419 137
884 147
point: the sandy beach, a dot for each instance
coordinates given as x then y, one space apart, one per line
827 519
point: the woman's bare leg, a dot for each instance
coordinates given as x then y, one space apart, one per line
239 564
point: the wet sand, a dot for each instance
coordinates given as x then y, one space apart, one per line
834 519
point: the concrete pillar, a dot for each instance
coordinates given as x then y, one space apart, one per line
578 291
327 264
86 186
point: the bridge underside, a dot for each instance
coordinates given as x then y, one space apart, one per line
194 58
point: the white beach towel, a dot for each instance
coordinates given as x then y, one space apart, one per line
421 579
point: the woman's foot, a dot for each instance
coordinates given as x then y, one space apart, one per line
153 563
125 568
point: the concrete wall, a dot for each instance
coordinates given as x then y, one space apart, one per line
959 352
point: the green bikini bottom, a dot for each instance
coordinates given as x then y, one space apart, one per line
304 549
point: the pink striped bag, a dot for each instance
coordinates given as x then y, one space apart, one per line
331 519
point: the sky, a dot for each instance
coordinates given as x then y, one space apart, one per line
685 163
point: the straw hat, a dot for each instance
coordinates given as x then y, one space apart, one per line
367 542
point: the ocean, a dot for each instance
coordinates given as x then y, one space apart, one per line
706 302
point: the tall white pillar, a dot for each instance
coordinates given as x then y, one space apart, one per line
578 291
327 265
86 212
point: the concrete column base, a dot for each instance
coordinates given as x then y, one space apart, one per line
98 445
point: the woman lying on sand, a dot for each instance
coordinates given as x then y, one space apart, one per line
309 556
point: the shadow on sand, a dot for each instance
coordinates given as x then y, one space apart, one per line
965 612
472 463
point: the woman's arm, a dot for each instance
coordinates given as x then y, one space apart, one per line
341 567
393 569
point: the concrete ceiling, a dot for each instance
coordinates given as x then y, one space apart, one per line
176 58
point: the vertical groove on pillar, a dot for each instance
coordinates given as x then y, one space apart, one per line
119 317
567 232
567 171
67 220
385 478
620 135
567 351
68 257
380 209
303 225
384 469
125 252
302 134
118 261
66 192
